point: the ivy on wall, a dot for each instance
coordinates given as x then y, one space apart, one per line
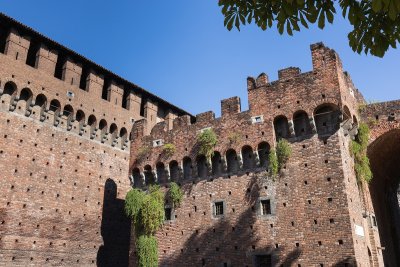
358 150
169 149
146 209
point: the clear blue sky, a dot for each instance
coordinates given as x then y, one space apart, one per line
181 51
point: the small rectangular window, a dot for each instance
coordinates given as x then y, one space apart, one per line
263 261
168 214
265 207
373 218
219 208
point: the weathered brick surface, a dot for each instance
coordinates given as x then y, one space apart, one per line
316 203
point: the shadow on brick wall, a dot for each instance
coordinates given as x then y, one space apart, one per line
232 242
115 230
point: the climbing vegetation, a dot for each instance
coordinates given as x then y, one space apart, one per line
207 140
175 193
146 209
169 149
147 251
358 149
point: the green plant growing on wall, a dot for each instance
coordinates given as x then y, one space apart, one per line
207 140
273 164
278 157
283 152
234 138
147 251
169 149
358 149
146 209
175 193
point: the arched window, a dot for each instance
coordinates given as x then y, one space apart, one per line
281 127
103 128
326 118
148 175
232 161
80 117
113 131
69 113
41 100
216 163
263 152
202 169
248 157
123 134
161 175
174 170
10 88
346 113
301 124
92 124
25 95
187 168
137 179
55 106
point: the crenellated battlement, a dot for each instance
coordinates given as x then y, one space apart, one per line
67 77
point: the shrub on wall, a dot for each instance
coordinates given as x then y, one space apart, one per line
358 149
175 193
283 152
169 149
207 140
146 209
142 153
147 251
273 163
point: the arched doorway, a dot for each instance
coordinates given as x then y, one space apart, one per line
384 155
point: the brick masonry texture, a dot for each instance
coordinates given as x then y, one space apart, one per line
75 138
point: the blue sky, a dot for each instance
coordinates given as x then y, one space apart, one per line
181 51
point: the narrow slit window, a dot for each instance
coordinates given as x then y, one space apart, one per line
265 207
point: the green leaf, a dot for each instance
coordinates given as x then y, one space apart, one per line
321 20
376 5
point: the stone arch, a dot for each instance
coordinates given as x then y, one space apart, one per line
68 113
301 123
26 95
161 173
55 106
174 170
102 128
326 118
148 175
248 157
385 192
41 100
92 125
10 88
355 121
263 149
137 178
202 168
281 127
216 163
123 134
232 161
80 117
346 113
187 168
113 131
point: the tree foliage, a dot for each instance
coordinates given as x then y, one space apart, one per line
207 140
169 149
376 23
